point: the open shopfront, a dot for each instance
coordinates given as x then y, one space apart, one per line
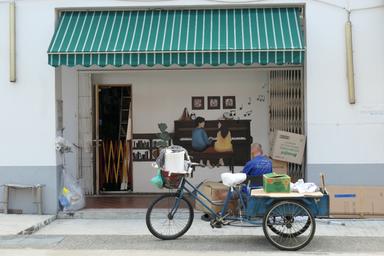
127 71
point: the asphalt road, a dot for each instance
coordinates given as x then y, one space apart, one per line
201 245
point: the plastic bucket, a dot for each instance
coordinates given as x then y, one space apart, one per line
174 161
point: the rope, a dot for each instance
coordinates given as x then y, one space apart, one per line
349 10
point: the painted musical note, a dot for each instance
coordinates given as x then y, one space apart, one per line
260 98
264 85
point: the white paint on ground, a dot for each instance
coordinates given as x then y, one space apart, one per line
12 224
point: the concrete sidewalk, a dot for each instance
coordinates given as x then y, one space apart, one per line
124 232
18 224
41 252
136 227
132 222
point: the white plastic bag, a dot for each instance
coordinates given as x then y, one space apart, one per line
302 187
62 145
72 195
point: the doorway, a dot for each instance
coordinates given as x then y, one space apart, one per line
113 135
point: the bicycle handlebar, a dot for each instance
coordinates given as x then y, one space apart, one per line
192 164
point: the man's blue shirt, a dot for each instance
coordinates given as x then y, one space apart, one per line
200 139
258 166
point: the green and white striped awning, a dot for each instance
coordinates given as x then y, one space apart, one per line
178 37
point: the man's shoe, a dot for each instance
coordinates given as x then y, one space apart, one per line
206 217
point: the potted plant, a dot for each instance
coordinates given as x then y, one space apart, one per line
164 136
164 139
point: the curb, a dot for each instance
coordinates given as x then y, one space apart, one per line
108 213
104 214
34 228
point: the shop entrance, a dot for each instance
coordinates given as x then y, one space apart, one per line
268 100
113 134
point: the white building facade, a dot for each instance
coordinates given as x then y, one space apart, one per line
345 141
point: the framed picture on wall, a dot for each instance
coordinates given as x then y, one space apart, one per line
229 102
213 102
197 102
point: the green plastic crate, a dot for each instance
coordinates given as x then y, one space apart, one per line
274 182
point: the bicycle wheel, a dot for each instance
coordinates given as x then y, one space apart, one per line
169 217
277 232
289 225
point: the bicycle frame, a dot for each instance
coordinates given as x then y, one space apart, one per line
186 186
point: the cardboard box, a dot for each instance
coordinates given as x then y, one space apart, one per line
357 201
279 167
344 200
373 200
216 192
288 147
273 182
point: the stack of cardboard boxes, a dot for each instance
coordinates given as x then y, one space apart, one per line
279 167
345 201
287 148
356 201
216 192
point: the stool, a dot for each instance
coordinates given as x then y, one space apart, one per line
37 192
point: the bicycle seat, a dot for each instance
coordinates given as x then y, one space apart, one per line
233 179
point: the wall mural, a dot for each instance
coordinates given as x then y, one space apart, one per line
217 142
222 142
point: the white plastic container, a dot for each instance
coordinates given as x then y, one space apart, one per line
174 161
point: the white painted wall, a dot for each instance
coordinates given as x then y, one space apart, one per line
77 121
85 135
70 117
27 107
337 131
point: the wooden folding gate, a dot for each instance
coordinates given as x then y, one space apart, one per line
286 111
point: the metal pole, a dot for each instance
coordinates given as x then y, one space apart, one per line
350 72
12 42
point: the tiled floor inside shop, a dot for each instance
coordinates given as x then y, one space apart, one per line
120 201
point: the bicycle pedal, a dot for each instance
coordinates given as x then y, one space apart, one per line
216 224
